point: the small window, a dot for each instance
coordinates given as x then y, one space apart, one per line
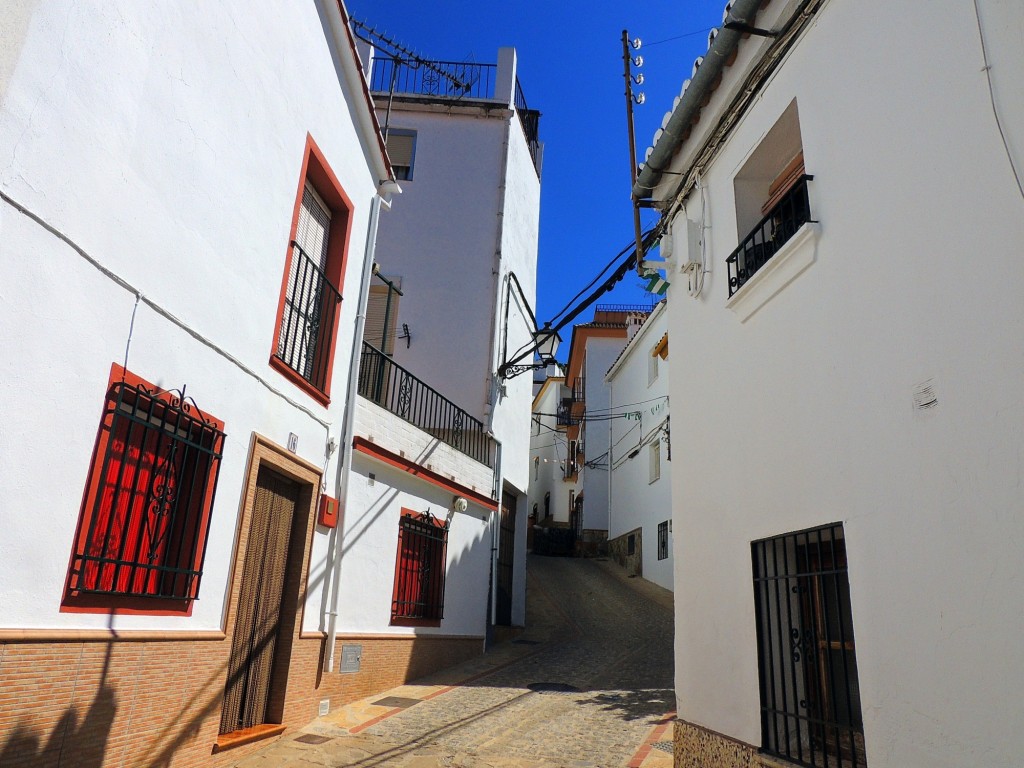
382 316
772 200
146 510
654 454
807 660
652 367
663 540
631 544
401 147
310 300
547 505
536 467
420 570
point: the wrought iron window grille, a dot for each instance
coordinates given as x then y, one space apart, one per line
420 571
307 324
663 540
810 696
772 232
149 497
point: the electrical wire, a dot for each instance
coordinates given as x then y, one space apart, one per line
992 100
679 37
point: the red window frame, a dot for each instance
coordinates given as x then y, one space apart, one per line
130 555
420 569
318 174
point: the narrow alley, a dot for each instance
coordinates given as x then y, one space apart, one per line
589 684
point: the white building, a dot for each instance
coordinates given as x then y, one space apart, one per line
187 225
593 349
845 205
550 494
462 250
638 454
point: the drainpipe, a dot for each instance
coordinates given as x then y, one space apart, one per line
692 100
383 197
499 482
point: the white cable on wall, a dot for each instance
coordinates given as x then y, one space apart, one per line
166 314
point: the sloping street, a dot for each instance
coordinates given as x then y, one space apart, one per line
589 684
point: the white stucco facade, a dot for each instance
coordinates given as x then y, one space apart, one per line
468 219
871 376
549 489
639 447
149 175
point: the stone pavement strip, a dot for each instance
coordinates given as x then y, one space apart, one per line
597 652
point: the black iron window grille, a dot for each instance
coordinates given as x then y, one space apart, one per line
420 571
389 385
810 697
307 325
149 496
663 540
780 224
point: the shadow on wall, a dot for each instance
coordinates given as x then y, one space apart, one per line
71 743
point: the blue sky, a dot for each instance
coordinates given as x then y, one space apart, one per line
570 68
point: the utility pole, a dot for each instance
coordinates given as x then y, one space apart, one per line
628 62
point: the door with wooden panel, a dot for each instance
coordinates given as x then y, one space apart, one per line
258 616
506 558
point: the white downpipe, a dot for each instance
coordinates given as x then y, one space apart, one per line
499 482
351 394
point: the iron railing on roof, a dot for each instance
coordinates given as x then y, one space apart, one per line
453 80
389 385
530 120
444 79
769 234
624 308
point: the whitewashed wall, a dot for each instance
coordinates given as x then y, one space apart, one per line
803 415
601 353
634 500
549 444
369 546
164 143
399 436
468 217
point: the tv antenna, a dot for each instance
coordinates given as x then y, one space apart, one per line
400 54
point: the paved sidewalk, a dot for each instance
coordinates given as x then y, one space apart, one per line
597 651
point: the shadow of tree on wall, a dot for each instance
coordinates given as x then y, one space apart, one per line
72 743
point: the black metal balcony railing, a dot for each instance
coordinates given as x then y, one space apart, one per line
307 325
453 80
447 79
579 390
564 413
530 120
389 385
771 232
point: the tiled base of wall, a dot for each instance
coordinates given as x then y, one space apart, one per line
388 661
697 747
618 550
139 703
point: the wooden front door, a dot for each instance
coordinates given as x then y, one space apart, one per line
258 616
506 557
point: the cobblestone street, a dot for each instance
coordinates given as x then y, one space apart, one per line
588 685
